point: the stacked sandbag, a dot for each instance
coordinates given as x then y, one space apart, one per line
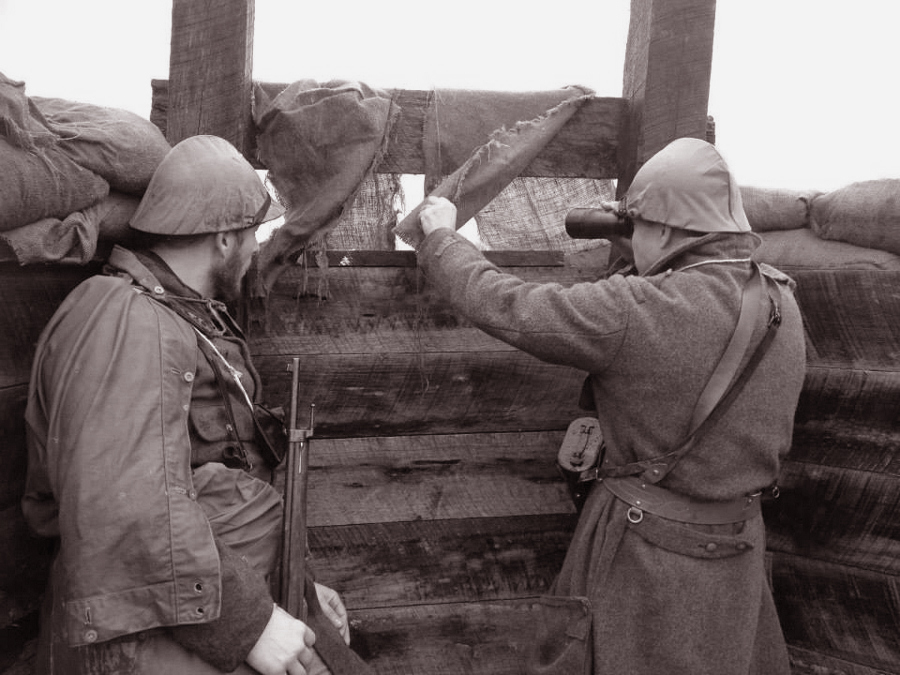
75 239
770 209
71 172
850 228
866 214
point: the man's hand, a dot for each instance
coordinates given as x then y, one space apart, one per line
437 213
334 609
284 648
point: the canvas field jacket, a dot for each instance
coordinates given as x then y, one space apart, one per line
112 409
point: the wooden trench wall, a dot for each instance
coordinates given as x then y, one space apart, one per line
435 506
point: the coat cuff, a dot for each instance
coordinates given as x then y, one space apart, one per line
246 608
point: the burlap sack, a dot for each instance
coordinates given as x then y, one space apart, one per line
774 209
866 214
802 249
529 214
319 142
118 145
38 180
75 238
43 184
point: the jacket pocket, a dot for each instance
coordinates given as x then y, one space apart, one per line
696 541
562 645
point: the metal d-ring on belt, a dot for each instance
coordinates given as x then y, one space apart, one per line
642 496
635 483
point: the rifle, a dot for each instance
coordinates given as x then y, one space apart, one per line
296 585
293 552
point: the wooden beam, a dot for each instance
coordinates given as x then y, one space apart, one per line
394 564
355 481
668 63
586 147
210 70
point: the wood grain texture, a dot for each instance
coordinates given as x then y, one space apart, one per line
668 63
485 638
838 515
840 612
395 564
210 70
386 394
29 297
353 481
851 317
586 147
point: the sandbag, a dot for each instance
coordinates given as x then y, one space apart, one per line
118 145
865 213
770 209
71 240
75 238
802 249
43 183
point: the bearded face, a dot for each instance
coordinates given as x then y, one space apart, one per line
226 277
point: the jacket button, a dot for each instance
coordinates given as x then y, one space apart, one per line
711 547
198 587
90 635
158 290
192 495
188 377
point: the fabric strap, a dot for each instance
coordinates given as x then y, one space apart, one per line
722 388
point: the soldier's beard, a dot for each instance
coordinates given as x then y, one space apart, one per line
227 278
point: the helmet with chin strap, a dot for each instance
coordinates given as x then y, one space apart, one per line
687 185
204 185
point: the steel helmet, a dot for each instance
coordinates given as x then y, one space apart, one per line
687 185
204 185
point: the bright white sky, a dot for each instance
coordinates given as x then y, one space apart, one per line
801 89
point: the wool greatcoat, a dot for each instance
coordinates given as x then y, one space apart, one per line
663 596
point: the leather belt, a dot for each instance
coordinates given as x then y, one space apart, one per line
642 496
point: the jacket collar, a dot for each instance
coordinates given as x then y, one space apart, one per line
723 245
151 273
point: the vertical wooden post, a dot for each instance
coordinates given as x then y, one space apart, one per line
210 70
668 63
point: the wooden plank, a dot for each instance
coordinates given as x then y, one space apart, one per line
488 638
13 456
851 317
387 394
24 566
29 298
352 307
856 401
425 561
838 515
587 146
847 443
210 70
840 612
668 63
808 662
353 481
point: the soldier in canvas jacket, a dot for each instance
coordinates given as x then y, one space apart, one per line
149 456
